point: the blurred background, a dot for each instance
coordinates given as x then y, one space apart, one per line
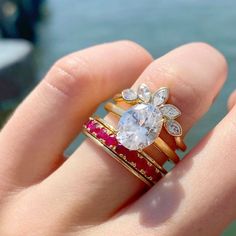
35 33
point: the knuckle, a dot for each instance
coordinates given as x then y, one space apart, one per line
215 54
137 49
165 74
201 46
187 96
131 44
70 74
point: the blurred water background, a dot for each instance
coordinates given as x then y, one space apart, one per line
158 25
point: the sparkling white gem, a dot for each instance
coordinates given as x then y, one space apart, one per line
140 125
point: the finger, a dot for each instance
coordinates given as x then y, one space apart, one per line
232 100
101 185
199 196
42 127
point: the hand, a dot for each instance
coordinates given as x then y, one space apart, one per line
42 194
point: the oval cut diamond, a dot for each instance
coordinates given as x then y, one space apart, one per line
139 126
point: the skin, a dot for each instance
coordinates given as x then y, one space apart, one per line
90 193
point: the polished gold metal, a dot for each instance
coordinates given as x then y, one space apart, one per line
145 155
118 98
159 143
180 143
162 146
113 108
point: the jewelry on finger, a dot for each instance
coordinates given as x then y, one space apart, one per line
158 143
145 155
139 127
133 161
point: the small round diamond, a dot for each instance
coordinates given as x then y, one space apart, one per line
139 126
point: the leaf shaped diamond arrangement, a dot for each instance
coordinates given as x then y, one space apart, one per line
157 99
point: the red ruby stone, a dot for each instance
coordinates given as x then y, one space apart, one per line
111 141
122 150
93 127
156 177
141 163
132 156
89 124
102 134
150 171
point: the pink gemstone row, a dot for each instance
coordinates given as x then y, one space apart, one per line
134 158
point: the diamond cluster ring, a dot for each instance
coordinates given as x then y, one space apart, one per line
138 128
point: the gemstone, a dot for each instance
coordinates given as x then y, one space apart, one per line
89 124
129 94
120 149
156 177
160 96
92 126
111 141
141 164
102 134
173 128
139 126
132 156
170 111
150 170
144 93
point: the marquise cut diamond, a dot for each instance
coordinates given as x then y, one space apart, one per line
170 111
139 126
160 96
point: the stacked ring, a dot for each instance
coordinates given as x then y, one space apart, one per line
158 143
139 127
134 161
